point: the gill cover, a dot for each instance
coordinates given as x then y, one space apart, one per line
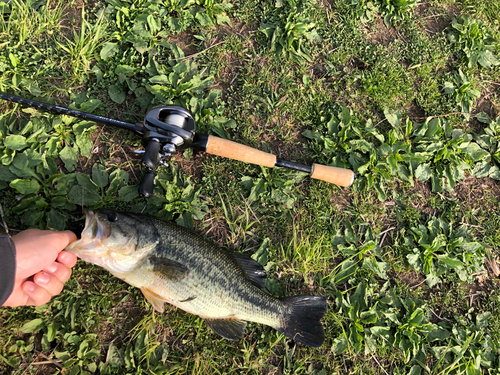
110 240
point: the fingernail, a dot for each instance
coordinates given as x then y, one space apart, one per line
51 268
42 278
65 257
29 288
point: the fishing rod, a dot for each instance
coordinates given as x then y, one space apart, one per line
169 129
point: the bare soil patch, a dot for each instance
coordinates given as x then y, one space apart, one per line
185 41
473 190
378 33
411 278
71 20
415 113
434 21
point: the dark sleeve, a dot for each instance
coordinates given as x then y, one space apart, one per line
7 267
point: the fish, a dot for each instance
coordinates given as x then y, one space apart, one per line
172 264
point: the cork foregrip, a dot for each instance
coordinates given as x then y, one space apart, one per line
338 176
237 151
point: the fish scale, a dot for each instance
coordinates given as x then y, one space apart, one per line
171 264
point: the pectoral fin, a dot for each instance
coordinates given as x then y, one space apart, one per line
168 268
153 299
231 329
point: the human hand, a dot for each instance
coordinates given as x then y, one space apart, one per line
42 267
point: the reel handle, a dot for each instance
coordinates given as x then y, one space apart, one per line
150 160
151 157
147 185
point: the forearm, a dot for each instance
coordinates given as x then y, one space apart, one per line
7 267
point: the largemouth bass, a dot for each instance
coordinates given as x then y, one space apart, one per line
172 264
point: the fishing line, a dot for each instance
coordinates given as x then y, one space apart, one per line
3 221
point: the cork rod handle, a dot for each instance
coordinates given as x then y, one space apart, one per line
334 175
237 151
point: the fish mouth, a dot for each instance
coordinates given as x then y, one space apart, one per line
93 234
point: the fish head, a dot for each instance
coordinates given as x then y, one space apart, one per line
112 240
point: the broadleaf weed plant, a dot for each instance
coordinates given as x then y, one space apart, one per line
291 37
463 93
390 10
430 150
439 251
473 40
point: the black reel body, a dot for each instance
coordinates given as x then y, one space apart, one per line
167 129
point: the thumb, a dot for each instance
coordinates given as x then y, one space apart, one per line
36 249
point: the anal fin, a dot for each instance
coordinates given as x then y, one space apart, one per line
231 329
153 299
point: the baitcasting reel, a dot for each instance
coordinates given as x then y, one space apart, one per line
166 130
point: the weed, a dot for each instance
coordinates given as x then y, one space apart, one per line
464 94
437 250
390 10
290 41
82 49
474 41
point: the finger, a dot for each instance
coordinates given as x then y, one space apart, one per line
58 270
35 249
37 296
57 240
49 282
67 237
68 259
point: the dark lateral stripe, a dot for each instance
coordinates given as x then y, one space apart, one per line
188 299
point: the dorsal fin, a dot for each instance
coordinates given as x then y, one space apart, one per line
231 329
253 270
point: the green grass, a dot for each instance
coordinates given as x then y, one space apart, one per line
310 81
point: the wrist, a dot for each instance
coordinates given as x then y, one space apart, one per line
7 267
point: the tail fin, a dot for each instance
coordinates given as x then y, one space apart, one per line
302 319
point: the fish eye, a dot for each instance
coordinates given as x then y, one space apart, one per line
112 216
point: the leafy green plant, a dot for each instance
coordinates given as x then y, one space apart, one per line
358 257
447 153
343 140
464 94
431 150
488 140
182 198
439 251
473 39
275 188
369 316
469 349
292 38
144 24
179 82
359 314
390 10
404 323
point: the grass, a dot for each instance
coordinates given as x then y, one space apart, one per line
310 81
